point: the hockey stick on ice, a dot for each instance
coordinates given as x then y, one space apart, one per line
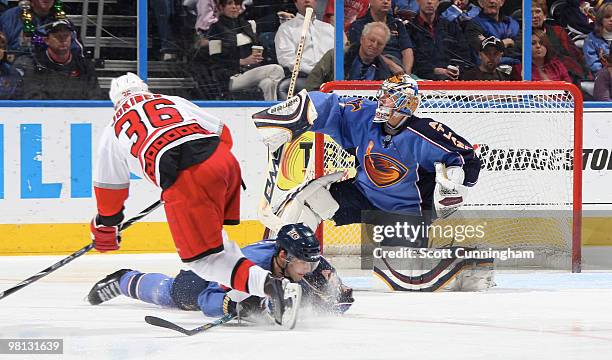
75 255
155 321
265 212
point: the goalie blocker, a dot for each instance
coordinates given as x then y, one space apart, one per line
286 121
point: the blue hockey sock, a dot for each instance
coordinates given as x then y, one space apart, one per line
152 288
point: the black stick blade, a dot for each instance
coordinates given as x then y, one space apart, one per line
155 321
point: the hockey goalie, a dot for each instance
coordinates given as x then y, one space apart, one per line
411 172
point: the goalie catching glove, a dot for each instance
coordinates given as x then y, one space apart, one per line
449 193
286 121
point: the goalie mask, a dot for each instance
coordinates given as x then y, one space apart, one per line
124 86
302 247
398 94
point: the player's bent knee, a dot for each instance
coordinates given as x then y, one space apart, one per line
186 288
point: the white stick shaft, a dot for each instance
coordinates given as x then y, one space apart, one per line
300 51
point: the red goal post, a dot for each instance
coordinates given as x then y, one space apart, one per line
514 121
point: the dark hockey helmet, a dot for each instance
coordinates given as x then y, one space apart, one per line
300 243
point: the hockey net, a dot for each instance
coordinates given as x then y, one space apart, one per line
530 182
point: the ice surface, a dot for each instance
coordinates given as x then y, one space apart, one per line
528 316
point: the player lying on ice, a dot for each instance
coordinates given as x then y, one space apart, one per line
295 254
187 153
411 169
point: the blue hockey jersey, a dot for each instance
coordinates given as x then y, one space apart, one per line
396 173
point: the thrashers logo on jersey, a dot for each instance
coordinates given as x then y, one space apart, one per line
355 104
381 169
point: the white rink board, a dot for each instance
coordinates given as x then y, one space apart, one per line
49 197
57 158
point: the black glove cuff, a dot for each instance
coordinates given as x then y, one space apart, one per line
229 306
112 220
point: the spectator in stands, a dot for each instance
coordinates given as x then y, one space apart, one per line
544 63
491 23
208 14
491 51
459 10
163 16
576 15
399 46
235 62
362 61
319 40
603 82
404 10
436 41
42 12
565 49
597 45
269 14
58 72
353 9
10 79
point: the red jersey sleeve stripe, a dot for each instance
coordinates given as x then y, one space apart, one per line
110 201
240 275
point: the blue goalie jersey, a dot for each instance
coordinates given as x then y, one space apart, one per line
396 173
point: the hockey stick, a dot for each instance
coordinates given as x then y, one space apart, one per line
299 52
274 158
76 254
155 321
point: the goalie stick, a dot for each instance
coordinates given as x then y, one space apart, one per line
155 321
76 254
265 212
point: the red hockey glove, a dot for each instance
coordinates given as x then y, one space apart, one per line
105 238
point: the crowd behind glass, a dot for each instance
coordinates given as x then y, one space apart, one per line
245 49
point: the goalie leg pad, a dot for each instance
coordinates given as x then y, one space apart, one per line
312 203
431 274
476 277
297 212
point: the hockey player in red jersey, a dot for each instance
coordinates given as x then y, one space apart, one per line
187 153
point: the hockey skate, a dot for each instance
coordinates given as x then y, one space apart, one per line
285 300
107 288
